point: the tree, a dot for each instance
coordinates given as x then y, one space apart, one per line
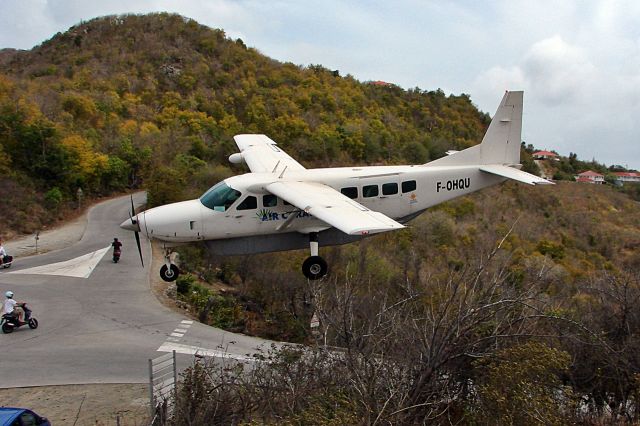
522 385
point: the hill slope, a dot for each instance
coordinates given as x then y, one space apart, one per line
154 101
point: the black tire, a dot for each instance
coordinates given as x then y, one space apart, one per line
7 328
33 323
169 274
315 267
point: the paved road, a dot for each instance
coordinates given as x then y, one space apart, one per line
104 328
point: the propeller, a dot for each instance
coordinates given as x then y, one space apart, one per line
136 229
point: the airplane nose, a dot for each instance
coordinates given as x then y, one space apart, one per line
131 224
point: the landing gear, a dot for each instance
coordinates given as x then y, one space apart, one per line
314 267
169 272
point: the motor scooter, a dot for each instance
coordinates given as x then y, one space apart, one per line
116 255
6 262
10 321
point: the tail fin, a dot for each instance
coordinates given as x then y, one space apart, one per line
501 143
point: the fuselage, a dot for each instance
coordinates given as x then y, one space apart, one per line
241 207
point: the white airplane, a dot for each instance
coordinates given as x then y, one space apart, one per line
280 205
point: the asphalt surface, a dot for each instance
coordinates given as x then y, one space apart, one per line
104 328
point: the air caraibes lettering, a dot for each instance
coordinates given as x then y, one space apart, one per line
267 215
454 184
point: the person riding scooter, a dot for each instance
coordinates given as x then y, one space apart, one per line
116 249
12 307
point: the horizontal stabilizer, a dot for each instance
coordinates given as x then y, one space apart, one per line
515 174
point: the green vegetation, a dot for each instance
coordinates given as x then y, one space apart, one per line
154 102
517 304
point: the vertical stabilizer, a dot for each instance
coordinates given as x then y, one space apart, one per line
501 143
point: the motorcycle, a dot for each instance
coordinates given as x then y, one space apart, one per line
6 262
10 321
116 255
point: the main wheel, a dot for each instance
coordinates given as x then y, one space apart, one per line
169 273
314 267
7 328
33 323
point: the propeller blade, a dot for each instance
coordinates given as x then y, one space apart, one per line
139 247
133 212
134 221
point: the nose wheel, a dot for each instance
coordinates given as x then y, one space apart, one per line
314 267
169 272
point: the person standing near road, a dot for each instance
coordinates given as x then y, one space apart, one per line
10 306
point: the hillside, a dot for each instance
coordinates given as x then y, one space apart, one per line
516 303
154 101
523 298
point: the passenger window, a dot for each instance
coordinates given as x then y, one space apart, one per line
408 186
389 188
269 200
370 191
248 203
351 192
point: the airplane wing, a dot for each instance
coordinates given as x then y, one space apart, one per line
332 207
515 174
263 155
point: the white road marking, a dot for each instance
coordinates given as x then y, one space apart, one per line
177 334
180 330
186 322
80 267
195 350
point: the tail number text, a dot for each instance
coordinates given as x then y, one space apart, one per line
453 185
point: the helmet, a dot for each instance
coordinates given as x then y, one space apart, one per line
9 294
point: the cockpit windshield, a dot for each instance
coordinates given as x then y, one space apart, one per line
220 197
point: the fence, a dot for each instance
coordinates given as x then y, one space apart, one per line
163 377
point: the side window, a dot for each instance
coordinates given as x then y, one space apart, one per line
248 203
351 192
408 186
219 197
269 200
370 191
389 188
27 419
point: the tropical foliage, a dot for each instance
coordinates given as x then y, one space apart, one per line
154 101
515 305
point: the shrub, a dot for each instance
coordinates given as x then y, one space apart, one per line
555 250
53 198
184 283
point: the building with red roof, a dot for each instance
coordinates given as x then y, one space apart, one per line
590 177
381 83
545 155
623 177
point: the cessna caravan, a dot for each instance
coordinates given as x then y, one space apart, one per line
281 205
